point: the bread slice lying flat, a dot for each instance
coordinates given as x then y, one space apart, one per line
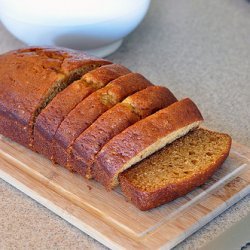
113 122
176 169
87 111
51 117
143 139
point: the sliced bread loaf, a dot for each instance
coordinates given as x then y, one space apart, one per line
29 79
87 111
114 121
143 139
51 117
176 169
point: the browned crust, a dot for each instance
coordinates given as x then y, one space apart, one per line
148 200
114 121
27 75
87 111
103 129
126 145
70 59
51 117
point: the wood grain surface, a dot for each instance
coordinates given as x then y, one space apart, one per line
107 216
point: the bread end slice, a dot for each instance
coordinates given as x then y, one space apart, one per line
176 169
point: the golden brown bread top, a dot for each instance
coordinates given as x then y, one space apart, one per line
28 78
24 79
27 74
176 169
144 138
69 59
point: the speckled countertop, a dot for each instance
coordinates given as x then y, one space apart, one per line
199 49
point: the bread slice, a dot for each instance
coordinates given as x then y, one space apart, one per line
51 117
87 111
176 169
29 79
114 121
143 139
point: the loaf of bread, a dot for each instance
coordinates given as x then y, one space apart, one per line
113 122
29 79
100 120
87 111
176 169
54 113
143 139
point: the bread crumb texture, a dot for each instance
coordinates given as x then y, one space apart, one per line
190 155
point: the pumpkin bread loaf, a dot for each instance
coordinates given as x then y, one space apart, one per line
176 169
100 120
87 111
29 79
143 139
51 116
113 122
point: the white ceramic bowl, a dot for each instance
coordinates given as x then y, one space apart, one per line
96 26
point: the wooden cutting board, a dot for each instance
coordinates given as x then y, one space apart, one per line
106 216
